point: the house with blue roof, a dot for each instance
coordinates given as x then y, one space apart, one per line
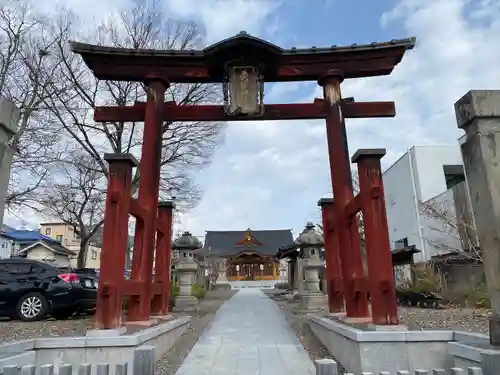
34 245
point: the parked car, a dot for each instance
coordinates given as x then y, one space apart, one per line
30 290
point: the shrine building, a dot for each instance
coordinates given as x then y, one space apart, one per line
248 255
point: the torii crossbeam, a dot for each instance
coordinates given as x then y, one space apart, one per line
299 111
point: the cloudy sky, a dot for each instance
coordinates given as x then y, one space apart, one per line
271 174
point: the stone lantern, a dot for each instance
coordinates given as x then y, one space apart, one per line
187 268
311 243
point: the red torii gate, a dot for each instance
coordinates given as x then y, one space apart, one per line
242 64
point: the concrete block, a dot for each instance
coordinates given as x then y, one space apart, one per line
185 304
364 349
18 346
111 341
490 363
106 332
477 104
115 349
60 342
375 327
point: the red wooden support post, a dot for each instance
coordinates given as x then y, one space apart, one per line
139 307
114 241
380 270
332 257
355 292
159 305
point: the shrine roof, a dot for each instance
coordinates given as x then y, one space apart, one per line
294 64
267 242
82 48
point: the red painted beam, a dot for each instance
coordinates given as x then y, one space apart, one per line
136 287
194 113
120 69
354 206
137 210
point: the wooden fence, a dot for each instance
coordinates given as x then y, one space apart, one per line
329 367
144 364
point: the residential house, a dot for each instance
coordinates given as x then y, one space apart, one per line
49 251
6 245
424 179
34 245
65 233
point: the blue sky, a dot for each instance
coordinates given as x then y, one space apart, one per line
270 175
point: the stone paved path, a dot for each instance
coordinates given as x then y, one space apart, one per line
249 336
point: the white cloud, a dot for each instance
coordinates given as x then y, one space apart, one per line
225 18
87 10
272 173
453 55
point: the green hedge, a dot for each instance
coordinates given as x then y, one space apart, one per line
198 291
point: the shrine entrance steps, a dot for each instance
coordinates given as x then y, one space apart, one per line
249 336
260 284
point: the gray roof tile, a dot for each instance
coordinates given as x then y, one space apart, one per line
224 243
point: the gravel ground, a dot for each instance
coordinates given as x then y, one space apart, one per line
448 319
16 330
209 305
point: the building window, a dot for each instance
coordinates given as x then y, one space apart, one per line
454 174
94 254
59 237
47 231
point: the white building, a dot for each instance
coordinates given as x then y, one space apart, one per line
423 177
6 245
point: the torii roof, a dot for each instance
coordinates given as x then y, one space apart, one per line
279 65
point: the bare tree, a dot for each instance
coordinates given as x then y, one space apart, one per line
76 194
451 232
186 146
27 65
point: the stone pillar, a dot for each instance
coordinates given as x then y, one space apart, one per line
311 297
187 269
299 282
9 119
222 271
478 113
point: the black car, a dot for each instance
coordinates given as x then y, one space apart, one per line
30 290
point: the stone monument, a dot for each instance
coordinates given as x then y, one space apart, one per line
9 119
478 114
187 269
311 297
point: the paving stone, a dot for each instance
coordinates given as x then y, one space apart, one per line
249 336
